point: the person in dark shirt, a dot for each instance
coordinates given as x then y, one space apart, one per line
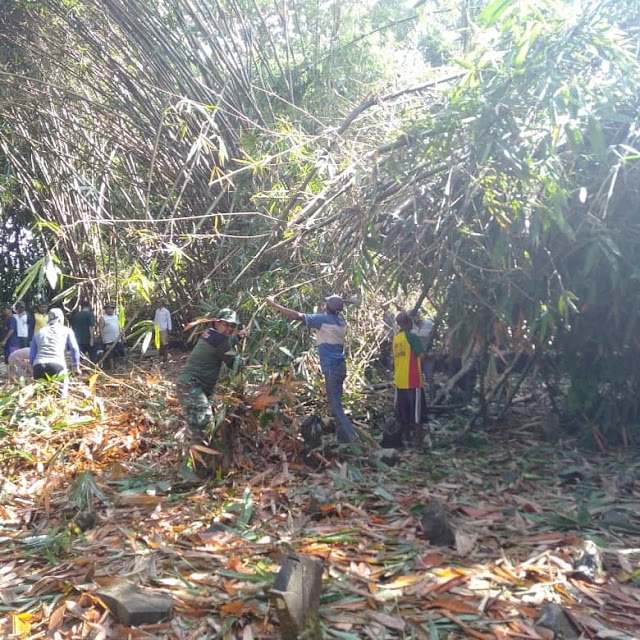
199 376
83 324
10 341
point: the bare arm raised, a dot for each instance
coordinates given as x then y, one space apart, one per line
291 314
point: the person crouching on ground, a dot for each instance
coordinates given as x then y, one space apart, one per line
330 328
199 376
410 408
19 365
47 351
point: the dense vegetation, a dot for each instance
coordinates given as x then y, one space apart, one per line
477 158
481 158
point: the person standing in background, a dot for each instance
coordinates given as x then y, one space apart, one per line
10 340
162 320
410 407
84 324
388 332
24 322
41 316
111 335
425 329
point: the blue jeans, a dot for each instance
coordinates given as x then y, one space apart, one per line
334 376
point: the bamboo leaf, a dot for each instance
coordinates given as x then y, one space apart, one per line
496 10
30 276
146 341
51 271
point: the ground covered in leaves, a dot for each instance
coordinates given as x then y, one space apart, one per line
89 494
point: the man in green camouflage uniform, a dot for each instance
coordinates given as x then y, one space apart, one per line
198 378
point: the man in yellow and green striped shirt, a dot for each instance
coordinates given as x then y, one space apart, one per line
410 406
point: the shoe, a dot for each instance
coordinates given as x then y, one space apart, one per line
347 437
415 436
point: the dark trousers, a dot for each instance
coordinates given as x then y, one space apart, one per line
88 350
48 369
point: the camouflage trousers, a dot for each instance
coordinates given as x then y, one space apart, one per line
196 407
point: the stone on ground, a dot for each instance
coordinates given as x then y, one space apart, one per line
435 525
554 617
133 606
389 457
296 597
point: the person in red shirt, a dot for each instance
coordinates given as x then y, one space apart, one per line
410 407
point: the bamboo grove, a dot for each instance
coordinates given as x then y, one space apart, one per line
479 157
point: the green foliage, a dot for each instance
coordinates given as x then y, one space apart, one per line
518 238
142 333
86 491
20 250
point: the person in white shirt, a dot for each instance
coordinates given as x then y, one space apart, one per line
24 321
162 320
112 338
424 328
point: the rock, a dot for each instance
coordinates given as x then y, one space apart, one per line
320 499
85 520
133 606
588 565
296 597
554 617
625 482
390 457
435 525
311 430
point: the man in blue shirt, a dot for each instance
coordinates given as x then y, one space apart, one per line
330 328
10 341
